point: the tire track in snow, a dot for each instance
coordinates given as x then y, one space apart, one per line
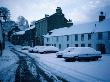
40 73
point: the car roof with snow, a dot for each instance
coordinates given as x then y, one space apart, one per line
51 48
84 50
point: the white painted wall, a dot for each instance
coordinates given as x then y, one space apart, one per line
94 40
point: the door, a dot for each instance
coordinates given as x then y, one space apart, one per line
101 47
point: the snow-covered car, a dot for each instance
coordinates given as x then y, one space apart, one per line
82 54
48 49
60 53
36 49
33 50
25 47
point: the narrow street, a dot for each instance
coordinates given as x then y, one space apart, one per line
24 71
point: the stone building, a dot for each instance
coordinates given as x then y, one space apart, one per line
43 26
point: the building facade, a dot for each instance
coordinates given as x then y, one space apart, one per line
43 26
95 35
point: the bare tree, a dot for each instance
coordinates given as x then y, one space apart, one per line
22 23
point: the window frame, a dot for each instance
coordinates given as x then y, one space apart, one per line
76 37
100 35
82 37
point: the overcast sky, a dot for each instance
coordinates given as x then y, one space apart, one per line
79 11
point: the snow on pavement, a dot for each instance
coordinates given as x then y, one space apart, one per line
76 71
8 64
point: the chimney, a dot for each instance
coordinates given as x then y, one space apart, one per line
101 16
46 15
59 10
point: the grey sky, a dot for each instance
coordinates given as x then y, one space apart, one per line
79 11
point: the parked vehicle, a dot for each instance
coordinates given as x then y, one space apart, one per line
33 50
48 49
82 54
36 49
25 47
60 53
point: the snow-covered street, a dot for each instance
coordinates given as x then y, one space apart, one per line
15 65
23 68
54 41
94 71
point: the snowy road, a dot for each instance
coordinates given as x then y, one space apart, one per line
96 71
22 66
29 71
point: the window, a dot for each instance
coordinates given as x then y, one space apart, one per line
55 45
47 39
109 35
100 36
76 45
82 45
67 45
47 44
57 38
82 37
89 45
59 46
0 13
76 37
67 38
89 36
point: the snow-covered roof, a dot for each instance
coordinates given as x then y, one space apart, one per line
82 28
19 33
23 32
32 27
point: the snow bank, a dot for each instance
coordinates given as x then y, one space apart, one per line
8 64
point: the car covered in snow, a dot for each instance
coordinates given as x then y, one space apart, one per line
25 47
82 54
33 50
36 49
48 49
60 53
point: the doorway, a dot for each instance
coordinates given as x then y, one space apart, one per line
101 47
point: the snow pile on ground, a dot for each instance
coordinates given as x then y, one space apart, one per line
8 65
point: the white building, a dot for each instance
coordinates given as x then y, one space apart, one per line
94 34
